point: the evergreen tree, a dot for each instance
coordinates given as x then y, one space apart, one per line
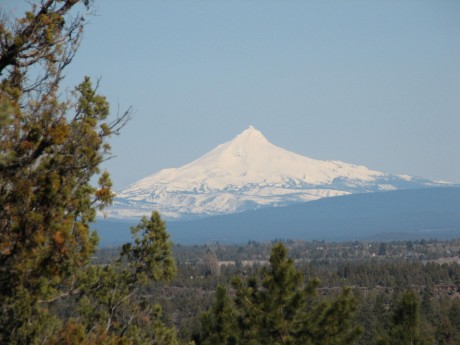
279 308
218 324
382 249
445 333
405 323
109 305
271 313
454 314
51 148
332 322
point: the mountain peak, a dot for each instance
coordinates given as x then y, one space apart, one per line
245 173
250 136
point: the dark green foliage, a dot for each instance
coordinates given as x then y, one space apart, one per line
333 322
279 309
271 311
454 314
218 324
405 322
108 302
150 257
373 282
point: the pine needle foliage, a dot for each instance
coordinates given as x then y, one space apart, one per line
277 307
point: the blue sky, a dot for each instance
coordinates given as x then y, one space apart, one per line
375 83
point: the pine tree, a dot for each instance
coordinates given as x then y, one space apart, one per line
332 322
405 323
279 308
109 305
270 312
454 314
218 324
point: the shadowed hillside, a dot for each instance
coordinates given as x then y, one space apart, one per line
407 214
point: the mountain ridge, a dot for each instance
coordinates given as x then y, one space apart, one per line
393 215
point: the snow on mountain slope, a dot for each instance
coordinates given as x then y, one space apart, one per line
246 173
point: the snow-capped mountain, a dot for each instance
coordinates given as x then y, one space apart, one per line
245 173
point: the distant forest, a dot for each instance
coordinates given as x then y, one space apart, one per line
379 275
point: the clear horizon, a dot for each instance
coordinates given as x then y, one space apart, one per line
368 83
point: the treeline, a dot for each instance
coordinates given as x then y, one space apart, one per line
378 284
423 249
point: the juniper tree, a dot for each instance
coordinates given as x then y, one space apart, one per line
51 147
